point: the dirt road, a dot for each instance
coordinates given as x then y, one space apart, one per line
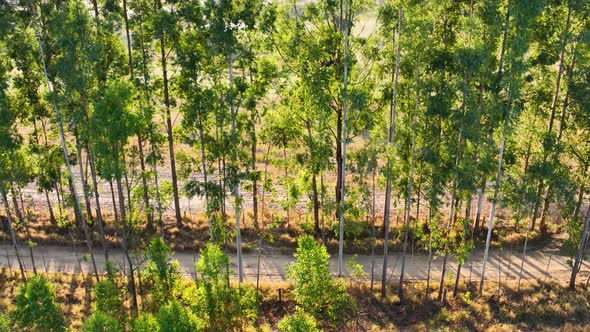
538 264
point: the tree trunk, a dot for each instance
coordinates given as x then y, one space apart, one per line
124 235
83 175
580 253
264 182
13 237
146 198
236 185
314 183
581 193
163 60
344 139
374 237
204 170
99 218
480 198
255 179
496 191
393 108
27 222
114 203
409 197
52 219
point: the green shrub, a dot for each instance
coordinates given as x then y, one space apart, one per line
173 317
101 322
107 300
316 291
299 322
225 307
146 322
161 276
36 308
4 323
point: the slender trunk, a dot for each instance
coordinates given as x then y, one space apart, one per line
346 27
373 236
114 203
236 185
124 235
496 188
26 221
393 108
163 60
286 182
52 219
99 218
409 197
465 230
17 210
418 193
314 182
255 178
157 184
580 253
146 198
581 193
204 170
264 183
427 291
480 198
13 237
83 175
322 193
127 186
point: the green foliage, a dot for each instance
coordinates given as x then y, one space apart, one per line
225 307
173 317
101 322
299 322
315 290
107 299
4 323
145 322
160 275
35 306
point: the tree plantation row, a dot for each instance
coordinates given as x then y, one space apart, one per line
444 105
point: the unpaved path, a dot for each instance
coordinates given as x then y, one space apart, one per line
538 264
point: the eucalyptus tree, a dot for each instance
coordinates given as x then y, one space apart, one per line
162 28
51 86
579 92
142 23
141 130
9 137
111 125
230 23
195 61
327 30
519 17
388 17
571 13
33 108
